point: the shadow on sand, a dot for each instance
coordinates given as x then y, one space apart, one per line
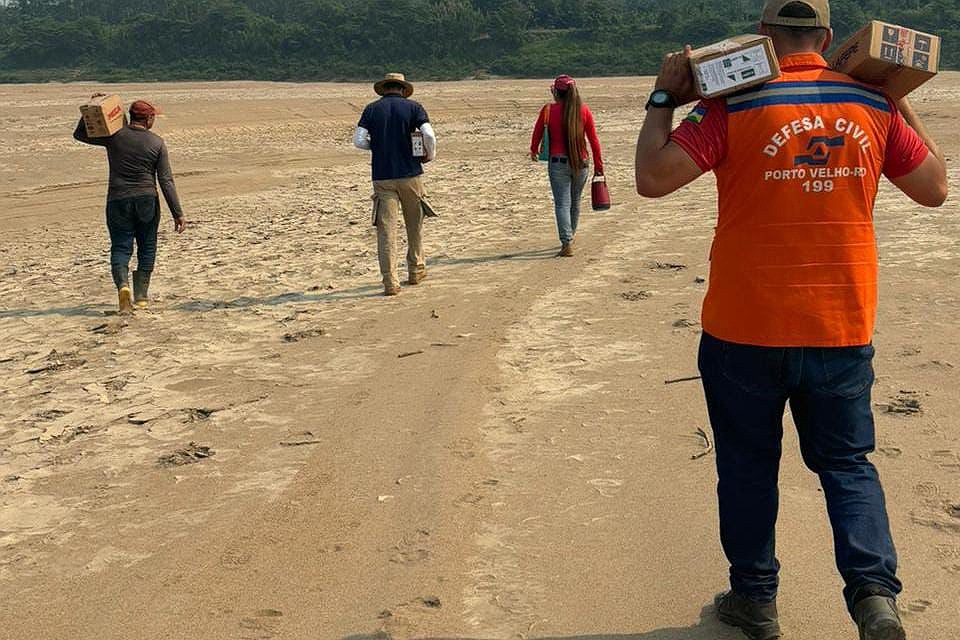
709 628
540 254
246 302
82 311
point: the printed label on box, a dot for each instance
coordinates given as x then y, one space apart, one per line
731 71
891 35
418 149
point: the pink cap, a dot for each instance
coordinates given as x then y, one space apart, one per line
564 82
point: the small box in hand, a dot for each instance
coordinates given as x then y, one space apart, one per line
419 150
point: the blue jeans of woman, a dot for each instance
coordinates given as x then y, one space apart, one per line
132 220
829 389
567 192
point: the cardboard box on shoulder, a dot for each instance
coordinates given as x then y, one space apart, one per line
103 116
889 56
734 65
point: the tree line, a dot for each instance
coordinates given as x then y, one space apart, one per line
118 40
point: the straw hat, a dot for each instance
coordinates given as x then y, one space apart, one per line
396 78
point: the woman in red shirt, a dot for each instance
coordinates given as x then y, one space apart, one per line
570 124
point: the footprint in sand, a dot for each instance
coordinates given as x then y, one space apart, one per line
927 490
463 449
919 606
668 266
412 549
469 499
946 459
905 403
938 365
948 552
269 613
254 629
937 522
234 558
607 487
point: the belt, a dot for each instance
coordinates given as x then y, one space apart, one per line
558 159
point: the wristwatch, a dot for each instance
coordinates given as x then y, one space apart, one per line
662 99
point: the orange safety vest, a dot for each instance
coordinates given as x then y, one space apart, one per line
794 260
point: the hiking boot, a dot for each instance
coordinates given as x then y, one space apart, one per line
566 251
759 621
416 278
391 291
878 619
141 288
126 301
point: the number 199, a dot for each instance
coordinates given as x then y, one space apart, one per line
818 186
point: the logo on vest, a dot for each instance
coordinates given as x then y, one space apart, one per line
798 128
813 169
819 151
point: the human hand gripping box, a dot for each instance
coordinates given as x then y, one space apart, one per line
889 56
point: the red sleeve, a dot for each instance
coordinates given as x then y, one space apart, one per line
590 129
703 134
538 133
906 150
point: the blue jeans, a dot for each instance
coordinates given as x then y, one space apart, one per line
128 220
567 192
829 390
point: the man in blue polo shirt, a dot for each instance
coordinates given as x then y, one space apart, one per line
386 129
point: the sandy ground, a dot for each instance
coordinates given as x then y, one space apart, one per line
492 455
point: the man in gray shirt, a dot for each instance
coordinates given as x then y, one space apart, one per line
138 160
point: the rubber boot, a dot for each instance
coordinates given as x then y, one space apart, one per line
878 619
141 288
121 275
126 301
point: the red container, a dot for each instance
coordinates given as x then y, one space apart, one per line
600 194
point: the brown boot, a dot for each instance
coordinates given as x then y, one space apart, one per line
391 291
416 278
566 251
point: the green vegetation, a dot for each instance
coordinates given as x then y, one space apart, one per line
113 40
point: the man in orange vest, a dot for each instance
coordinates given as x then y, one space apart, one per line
790 311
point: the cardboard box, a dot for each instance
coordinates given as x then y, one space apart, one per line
104 116
419 149
889 56
734 65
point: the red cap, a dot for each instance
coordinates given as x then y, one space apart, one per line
564 82
142 109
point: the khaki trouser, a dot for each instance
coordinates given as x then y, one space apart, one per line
390 196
